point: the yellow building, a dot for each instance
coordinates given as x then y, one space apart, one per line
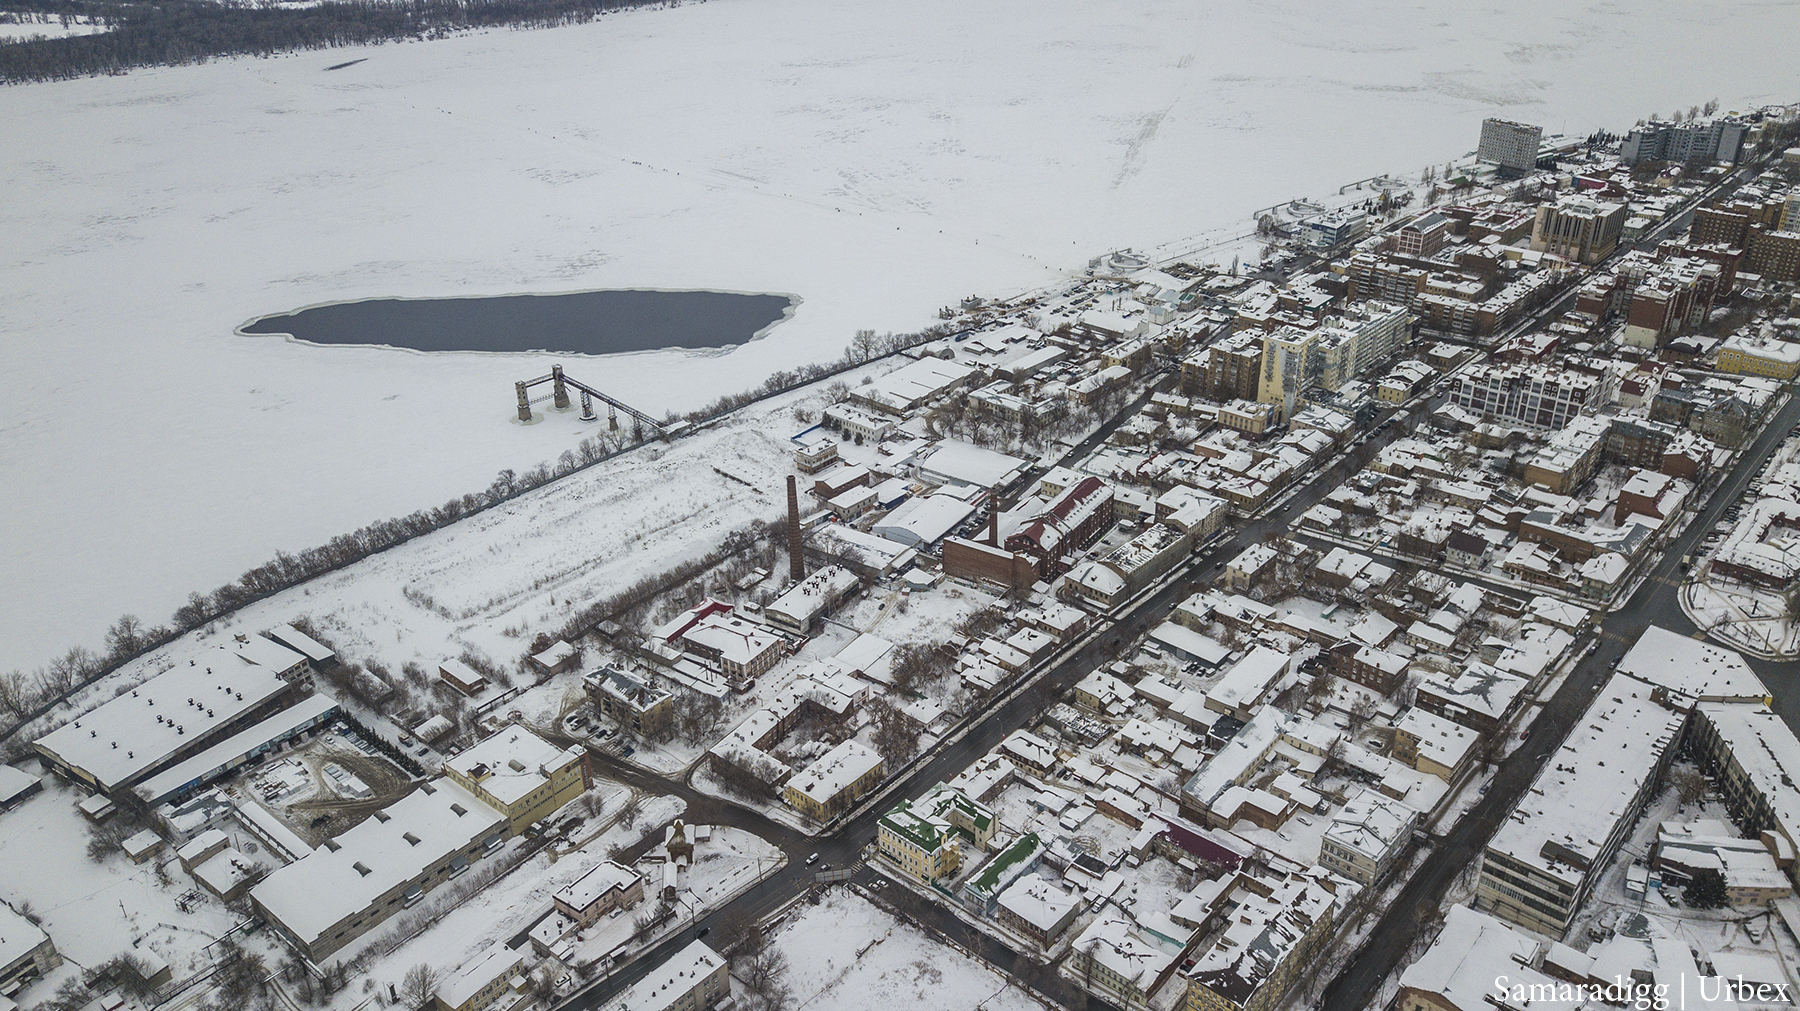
924 838
1759 355
485 982
834 782
521 775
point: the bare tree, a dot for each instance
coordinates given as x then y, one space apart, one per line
629 810
895 738
418 986
126 636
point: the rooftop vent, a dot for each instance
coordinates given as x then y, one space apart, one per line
361 868
382 816
411 839
458 810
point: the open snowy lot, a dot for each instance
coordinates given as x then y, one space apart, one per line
845 954
877 160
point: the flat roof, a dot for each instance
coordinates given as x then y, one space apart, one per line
515 761
140 729
670 981
311 708
1591 781
312 894
1693 669
835 771
469 979
593 885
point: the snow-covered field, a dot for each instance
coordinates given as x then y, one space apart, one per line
95 911
878 160
844 954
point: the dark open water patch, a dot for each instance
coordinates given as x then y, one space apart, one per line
582 322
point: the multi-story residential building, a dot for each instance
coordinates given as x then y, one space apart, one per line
1036 908
1481 697
1534 395
1366 837
521 775
1070 522
1569 456
630 700
830 785
1423 235
1541 865
1512 146
1775 255
1578 229
1753 758
1710 140
1674 295
1228 370
1638 441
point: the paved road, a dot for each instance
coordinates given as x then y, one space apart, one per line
1654 603
843 846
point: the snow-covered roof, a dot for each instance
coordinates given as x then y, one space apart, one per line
1440 740
961 463
1030 748
282 724
1247 680
14 782
806 599
1185 640
512 763
1767 752
1037 901
1114 943
669 982
1239 755
472 976
1472 951
1691 669
1264 931
923 520
302 643
595 883
1371 825
312 894
1478 688
18 936
833 773
732 638
140 729
1590 783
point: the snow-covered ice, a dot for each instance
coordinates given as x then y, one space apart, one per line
878 160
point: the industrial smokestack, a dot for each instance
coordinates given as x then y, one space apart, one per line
796 561
994 517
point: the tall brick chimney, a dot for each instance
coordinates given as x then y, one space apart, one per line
796 556
994 517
